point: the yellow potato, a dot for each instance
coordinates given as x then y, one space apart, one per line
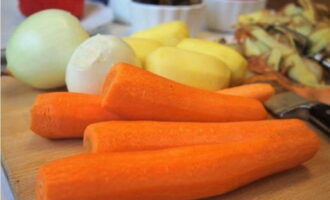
189 68
142 47
168 34
234 60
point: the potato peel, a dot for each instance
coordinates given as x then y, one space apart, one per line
318 94
287 55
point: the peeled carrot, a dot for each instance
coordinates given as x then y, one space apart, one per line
149 135
66 115
140 95
260 91
191 172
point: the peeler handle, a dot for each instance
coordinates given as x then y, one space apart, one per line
320 116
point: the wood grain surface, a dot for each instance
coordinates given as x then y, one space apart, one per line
24 152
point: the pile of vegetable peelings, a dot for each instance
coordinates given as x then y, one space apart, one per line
279 46
161 125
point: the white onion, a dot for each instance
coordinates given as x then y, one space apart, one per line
92 60
41 46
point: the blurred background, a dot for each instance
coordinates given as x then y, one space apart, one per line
95 13
208 19
100 12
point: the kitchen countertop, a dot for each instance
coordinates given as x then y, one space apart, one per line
310 181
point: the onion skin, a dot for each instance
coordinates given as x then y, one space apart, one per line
41 46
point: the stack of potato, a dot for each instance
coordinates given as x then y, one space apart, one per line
166 50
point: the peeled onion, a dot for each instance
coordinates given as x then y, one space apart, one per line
92 60
41 46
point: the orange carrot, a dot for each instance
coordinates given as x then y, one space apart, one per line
66 115
260 91
191 172
140 95
149 135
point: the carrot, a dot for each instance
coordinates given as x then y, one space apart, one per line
260 91
191 172
140 95
66 115
149 135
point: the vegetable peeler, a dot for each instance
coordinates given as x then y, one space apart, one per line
290 105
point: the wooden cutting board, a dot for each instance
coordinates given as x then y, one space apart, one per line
24 152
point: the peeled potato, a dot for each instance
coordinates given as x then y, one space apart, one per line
189 68
168 34
142 47
234 61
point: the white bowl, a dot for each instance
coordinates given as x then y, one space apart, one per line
147 15
222 14
121 10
